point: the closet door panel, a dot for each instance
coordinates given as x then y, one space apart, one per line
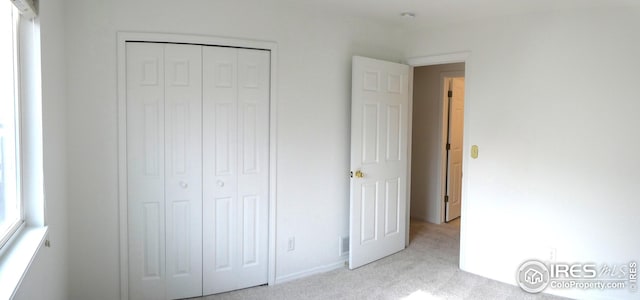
236 129
253 165
183 184
145 170
220 110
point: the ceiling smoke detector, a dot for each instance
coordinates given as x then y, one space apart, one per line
408 15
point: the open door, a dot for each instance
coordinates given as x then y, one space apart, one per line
379 135
453 200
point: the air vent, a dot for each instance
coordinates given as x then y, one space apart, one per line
343 246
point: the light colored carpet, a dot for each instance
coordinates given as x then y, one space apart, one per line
427 269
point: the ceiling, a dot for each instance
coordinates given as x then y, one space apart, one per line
433 13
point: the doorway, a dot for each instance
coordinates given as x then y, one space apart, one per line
422 169
437 128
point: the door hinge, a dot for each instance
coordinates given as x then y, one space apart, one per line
446 199
448 146
450 94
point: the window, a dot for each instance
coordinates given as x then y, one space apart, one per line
23 228
11 212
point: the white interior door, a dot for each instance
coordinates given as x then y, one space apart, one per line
379 125
236 170
456 129
145 170
183 166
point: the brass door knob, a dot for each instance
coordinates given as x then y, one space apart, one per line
359 174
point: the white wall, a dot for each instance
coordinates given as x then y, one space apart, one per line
552 103
47 277
314 66
426 141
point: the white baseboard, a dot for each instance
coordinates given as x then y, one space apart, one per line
309 272
426 219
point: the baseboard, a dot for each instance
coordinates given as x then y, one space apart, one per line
426 219
312 271
418 218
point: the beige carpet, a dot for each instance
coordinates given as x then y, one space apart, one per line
427 269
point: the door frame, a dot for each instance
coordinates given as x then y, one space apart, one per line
122 39
438 59
444 137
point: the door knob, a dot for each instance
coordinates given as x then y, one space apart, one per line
220 183
359 174
183 184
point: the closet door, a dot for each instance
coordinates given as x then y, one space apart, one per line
183 159
145 170
164 169
236 139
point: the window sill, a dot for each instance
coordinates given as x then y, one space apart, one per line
16 259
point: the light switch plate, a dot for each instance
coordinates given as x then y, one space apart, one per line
474 151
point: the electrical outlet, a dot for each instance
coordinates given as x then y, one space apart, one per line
292 244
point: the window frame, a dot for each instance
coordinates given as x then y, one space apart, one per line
18 253
16 227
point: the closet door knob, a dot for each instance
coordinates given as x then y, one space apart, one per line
184 185
220 183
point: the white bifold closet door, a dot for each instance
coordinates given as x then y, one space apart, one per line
183 169
164 170
145 170
236 169
197 169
